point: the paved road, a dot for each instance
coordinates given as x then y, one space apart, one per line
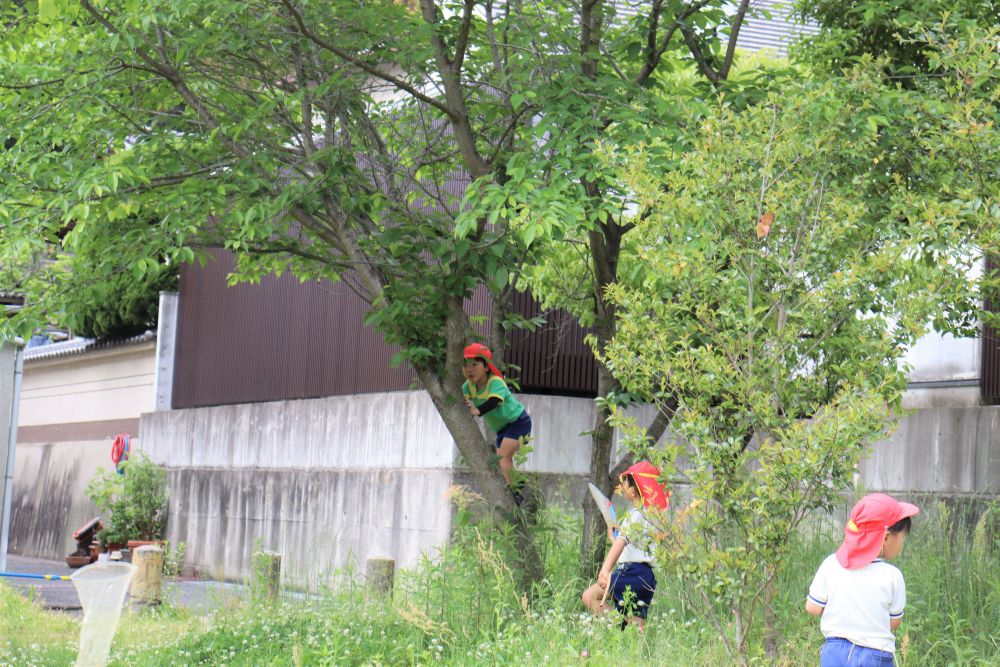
183 592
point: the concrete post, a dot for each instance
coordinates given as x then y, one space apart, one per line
166 342
380 573
266 575
147 580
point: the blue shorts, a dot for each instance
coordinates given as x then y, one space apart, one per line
632 588
837 652
519 429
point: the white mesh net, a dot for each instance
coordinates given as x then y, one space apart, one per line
101 588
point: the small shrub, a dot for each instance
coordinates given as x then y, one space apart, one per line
133 503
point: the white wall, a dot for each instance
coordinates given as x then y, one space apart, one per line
116 383
942 357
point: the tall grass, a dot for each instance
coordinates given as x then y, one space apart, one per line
462 608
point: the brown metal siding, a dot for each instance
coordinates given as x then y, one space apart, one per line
276 340
553 359
989 384
285 340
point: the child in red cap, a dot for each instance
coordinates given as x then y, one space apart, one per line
857 594
487 396
628 567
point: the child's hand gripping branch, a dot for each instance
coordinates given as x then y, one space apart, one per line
857 594
627 572
488 396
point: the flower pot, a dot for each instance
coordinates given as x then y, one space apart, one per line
75 561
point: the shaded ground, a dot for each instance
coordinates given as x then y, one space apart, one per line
61 595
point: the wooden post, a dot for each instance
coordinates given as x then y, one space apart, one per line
147 580
380 573
266 574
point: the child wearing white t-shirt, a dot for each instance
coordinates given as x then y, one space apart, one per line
857 594
627 573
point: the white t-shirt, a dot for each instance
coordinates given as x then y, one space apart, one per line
638 547
857 604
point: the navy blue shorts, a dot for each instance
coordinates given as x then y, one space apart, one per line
519 429
837 652
632 587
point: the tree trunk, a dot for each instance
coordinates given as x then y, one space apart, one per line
445 390
592 543
772 632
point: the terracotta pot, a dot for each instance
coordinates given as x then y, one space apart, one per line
78 561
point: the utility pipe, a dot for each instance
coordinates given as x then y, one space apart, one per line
48 577
8 487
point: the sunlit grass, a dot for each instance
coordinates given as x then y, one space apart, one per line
462 608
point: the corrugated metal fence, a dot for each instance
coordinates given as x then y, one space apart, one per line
283 339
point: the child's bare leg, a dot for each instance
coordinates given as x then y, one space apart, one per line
508 447
592 600
638 622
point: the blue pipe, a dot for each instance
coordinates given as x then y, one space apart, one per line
49 577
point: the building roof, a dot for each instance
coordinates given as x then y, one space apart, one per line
775 33
757 33
75 346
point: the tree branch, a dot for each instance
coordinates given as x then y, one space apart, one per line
655 52
734 33
373 71
699 57
463 36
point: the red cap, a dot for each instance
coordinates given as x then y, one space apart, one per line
865 531
646 477
480 351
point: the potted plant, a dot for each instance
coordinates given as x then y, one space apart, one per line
133 502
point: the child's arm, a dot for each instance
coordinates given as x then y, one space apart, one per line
813 609
894 623
614 553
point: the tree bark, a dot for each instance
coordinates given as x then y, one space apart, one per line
605 249
592 542
445 390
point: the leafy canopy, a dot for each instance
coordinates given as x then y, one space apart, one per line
798 249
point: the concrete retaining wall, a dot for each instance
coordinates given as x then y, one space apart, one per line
946 451
50 500
330 482
320 521
325 482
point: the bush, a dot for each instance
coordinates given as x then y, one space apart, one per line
133 503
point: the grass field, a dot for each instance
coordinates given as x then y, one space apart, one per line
461 609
